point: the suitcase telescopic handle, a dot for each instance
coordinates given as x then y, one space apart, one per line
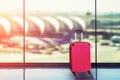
81 35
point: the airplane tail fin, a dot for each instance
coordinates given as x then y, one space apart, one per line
68 37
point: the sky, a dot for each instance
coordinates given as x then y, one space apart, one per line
60 6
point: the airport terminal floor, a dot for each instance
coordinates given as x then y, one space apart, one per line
57 73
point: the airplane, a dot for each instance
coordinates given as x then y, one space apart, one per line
115 40
20 42
36 42
58 43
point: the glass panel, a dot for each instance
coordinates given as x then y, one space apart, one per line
50 27
108 30
11 26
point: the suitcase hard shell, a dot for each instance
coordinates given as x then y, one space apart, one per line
80 60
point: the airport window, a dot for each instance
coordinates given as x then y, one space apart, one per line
108 31
40 31
53 23
35 34
39 34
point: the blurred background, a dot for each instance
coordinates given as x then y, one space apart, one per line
41 30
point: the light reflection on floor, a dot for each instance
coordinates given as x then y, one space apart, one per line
36 74
11 74
54 74
108 74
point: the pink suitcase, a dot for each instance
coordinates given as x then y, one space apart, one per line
80 60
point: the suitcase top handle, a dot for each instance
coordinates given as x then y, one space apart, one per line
78 32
